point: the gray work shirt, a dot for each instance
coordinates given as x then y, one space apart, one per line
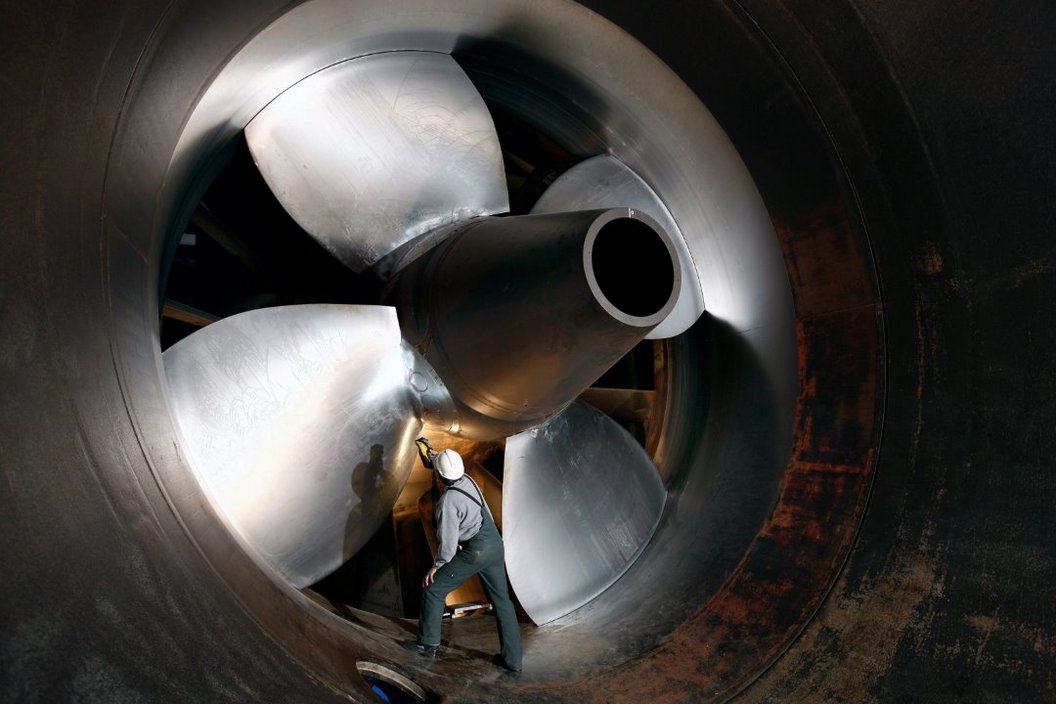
458 518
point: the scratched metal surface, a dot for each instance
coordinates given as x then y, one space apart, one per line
374 152
580 499
299 422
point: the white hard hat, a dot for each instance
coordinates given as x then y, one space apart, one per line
449 464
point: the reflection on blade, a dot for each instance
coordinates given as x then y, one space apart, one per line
606 182
580 500
368 154
299 423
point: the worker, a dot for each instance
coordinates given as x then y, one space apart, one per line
469 544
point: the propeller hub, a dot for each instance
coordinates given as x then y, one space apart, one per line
518 315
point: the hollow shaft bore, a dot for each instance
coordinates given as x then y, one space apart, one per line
632 267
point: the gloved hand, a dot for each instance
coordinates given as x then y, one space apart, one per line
425 451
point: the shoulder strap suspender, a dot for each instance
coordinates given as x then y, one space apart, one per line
466 493
478 502
485 512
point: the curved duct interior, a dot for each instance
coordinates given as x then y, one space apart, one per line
892 350
747 539
706 453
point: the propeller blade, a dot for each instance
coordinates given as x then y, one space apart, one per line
606 182
369 154
299 422
580 500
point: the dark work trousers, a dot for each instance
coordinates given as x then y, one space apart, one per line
481 554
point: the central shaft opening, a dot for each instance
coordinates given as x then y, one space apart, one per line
633 267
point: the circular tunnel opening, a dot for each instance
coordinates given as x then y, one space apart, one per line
543 134
633 267
640 285
725 396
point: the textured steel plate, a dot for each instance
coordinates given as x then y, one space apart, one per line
373 152
299 422
580 501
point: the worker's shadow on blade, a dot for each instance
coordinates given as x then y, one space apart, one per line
370 484
369 577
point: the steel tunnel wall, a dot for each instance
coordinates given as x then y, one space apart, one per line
911 143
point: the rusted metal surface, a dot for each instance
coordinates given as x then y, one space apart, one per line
824 262
785 574
658 404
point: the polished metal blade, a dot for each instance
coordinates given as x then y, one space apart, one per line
580 499
299 422
606 182
368 154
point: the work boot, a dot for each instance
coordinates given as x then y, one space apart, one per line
501 662
425 651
